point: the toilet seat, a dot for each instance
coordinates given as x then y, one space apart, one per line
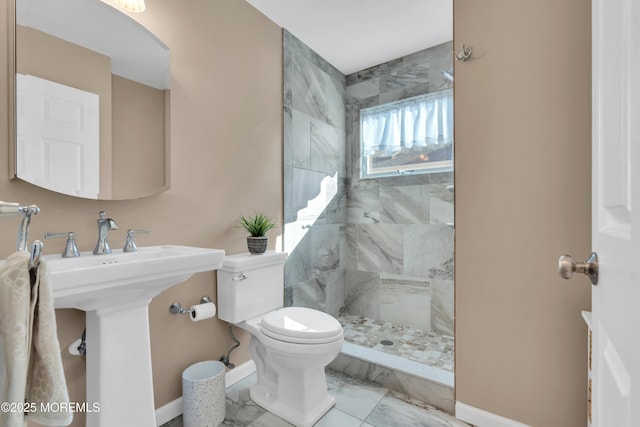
301 325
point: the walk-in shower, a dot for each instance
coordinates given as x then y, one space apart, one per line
375 253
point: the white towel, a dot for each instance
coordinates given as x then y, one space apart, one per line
30 357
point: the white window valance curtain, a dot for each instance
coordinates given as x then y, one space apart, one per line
419 121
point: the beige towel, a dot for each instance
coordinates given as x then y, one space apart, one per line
45 379
15 339
30 358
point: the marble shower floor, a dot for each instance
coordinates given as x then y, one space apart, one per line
424 347
358 404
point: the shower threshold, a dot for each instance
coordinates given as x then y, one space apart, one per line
398 364
415 363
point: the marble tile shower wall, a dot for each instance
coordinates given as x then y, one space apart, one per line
399 263
397 267
314 179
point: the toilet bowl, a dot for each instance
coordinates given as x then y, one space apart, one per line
290 346
291 380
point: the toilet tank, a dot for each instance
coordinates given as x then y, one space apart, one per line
250 285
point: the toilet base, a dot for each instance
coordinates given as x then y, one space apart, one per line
263 398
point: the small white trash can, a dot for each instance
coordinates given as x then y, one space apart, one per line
203 394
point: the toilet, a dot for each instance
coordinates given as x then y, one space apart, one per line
290 346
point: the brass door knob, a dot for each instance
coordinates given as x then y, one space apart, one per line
567 266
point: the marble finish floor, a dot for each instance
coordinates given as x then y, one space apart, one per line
429 348
358 404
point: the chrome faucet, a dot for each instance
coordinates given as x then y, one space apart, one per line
104 225
70 249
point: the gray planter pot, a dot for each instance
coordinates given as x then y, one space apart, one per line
257 245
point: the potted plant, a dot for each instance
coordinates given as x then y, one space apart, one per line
257 226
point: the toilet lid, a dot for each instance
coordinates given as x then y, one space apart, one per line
299 324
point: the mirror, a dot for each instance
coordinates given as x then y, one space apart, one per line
91 103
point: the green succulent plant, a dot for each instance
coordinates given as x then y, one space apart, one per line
257 225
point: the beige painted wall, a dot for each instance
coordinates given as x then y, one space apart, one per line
522 109
138 139
226 150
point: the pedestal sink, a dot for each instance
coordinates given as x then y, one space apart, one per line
115 291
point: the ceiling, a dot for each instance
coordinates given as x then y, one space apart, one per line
356 34
135 52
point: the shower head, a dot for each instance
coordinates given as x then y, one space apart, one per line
448 74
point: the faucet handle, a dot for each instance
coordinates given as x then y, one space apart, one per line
130 244
71 249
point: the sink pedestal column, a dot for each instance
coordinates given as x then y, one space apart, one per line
119 376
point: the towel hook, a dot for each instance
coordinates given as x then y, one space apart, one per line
7 208
36 252
465 54
27 212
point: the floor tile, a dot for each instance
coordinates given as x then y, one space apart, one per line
241 411
176 422
336 417
358 404
269 420
352 396
395 412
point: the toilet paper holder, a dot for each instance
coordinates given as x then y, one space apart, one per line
176 307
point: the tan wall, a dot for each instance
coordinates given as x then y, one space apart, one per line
226 150
51 58
522 109
138 139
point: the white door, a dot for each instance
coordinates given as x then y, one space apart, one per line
58 136
616 225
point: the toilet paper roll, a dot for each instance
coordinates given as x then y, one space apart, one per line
203 311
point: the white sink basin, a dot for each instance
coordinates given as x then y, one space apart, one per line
115 290
91 282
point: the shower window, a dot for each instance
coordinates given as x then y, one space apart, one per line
410 136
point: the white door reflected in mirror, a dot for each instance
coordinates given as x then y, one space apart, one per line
58 137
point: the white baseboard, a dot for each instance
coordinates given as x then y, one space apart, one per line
239 373
481 418
167 412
